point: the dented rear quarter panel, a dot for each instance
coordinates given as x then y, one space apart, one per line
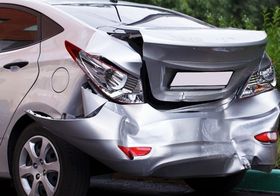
217 139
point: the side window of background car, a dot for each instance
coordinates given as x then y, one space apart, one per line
19 28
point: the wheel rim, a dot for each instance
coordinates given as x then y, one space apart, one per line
39 167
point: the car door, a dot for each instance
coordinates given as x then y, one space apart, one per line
19 53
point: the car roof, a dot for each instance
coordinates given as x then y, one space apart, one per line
77 1
117 2
51 9
59 2
111 2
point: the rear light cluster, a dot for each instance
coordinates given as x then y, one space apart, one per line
261 81
267 137
108 79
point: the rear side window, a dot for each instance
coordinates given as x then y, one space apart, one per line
18 28
49 28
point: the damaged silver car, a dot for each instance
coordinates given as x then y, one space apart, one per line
89 87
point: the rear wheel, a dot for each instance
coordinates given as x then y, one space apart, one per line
44 165
217 184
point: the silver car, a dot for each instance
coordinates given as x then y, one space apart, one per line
90 87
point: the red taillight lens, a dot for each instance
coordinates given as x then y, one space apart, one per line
267 137
73 50
132 152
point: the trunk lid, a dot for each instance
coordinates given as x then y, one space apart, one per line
196 65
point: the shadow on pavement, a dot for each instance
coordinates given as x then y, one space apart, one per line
101 186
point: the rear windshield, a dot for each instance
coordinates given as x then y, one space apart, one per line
95 16
147 17
111 15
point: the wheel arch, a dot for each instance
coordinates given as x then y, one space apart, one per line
23 122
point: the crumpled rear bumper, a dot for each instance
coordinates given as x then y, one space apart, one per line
214 142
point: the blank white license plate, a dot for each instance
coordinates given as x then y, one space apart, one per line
201 79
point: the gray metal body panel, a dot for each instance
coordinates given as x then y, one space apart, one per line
15 83
218 142
210 139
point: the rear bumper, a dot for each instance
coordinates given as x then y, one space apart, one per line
215 142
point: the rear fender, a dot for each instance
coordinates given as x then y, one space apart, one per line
91 125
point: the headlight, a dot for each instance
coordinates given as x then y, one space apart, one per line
261 81
108 79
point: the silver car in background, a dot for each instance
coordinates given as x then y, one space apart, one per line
90 87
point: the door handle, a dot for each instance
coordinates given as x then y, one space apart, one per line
16 65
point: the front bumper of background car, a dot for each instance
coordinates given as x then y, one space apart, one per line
213 142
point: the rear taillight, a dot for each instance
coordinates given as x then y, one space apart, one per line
267 137
262 80
73 50
132 152
108 79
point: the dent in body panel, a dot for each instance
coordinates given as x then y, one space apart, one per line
117 51
200 50
167 60
223 140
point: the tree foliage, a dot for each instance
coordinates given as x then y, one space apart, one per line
234 13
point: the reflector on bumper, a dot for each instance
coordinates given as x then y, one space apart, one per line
132 152
267 137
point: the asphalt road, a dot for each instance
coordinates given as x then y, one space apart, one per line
126 187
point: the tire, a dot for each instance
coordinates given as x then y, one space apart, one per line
217 184
56 169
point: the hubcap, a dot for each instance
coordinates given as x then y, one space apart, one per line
39 167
